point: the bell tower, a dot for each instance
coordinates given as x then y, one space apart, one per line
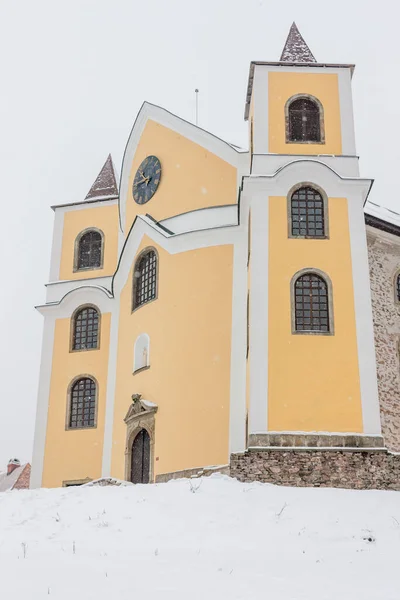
311 358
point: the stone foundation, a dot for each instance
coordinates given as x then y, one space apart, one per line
192 473
339 468
315 440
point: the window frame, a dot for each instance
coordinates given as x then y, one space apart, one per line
327 279
69 403
325 201
134 279
72 328
321 119
395 277
76 268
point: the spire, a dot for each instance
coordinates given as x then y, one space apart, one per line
296 50
105 186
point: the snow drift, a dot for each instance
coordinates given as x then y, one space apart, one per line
211 538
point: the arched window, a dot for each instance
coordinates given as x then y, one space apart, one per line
304 120
82 412
397 290
89 250
307 213
145 278
141 357
311 304
85 335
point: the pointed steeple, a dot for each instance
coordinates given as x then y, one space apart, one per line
296 49
105 186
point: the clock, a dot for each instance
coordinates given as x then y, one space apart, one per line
147 180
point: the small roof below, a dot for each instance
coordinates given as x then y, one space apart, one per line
382 218
7 482
105 186
295 48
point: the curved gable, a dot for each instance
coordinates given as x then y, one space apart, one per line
198 169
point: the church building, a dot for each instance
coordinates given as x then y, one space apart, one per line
213 302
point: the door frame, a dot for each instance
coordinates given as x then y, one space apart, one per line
141 415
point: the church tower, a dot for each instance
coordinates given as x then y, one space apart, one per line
311 346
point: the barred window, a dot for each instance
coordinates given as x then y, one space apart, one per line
89 250
145 279
86 329
398 288
307 213
83 403
311 303
304 121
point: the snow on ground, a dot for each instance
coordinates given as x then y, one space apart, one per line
211 538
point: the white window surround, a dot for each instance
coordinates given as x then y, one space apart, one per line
141 353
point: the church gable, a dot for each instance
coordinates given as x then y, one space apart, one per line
197 169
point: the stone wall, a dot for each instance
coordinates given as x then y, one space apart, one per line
355 469
384 262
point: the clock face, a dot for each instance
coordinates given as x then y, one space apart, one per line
147 180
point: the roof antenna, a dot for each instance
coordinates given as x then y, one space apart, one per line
196 91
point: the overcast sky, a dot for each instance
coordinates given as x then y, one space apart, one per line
74 74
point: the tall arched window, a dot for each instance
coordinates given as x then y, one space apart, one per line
307 213
311 304
304 120
82 410
85 334
145 278
89 250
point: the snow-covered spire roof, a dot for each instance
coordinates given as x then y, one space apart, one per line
296 49
105 185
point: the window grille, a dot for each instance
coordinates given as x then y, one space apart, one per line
89 250
311 303
145 279
304 121
307 213
86 329
83 404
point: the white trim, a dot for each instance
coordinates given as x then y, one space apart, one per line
237 413
260 112
258 353
110 393
203 218
56 247
85 205
42 402
346 112
269 164
55 291
363 316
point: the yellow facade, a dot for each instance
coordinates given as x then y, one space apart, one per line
72 455
213 386
188 378
313 379
104 218
324 87
191 178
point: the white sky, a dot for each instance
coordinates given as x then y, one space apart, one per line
74 75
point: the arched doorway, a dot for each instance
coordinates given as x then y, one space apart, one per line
140 458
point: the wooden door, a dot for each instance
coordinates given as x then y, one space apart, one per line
140 459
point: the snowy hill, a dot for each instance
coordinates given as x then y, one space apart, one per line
211 538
